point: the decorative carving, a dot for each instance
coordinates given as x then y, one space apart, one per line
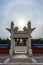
29 24
24 28
16 29
32 29
12 24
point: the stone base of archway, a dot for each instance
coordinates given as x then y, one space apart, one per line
18 50
21 48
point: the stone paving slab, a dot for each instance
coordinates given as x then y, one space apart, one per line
21 59
39 60
37 55
21 63
3 58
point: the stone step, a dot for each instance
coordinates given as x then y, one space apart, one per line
20 53
20 60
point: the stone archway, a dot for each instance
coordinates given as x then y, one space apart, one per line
20 42
26 33
20 46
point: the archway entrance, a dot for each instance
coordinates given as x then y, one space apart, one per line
25 34
20 46
20 42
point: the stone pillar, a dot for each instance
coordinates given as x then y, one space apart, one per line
29 50
12 50
27 43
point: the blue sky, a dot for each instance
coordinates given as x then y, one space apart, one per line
28 9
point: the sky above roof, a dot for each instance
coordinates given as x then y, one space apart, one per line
18 10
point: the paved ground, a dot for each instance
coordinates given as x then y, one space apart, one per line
21 58
3 58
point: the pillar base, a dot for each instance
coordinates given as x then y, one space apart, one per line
29 52
11 52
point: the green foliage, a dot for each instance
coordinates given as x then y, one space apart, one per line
4 41
24 41
37 41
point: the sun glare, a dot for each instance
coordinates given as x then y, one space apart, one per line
21 22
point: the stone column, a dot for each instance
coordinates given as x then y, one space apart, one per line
12 50
27 42
29 50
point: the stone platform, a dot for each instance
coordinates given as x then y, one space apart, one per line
21 59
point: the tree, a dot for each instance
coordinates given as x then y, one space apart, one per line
24 41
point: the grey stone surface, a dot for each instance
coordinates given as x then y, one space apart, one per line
21 60
3 57
21 64
39 60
